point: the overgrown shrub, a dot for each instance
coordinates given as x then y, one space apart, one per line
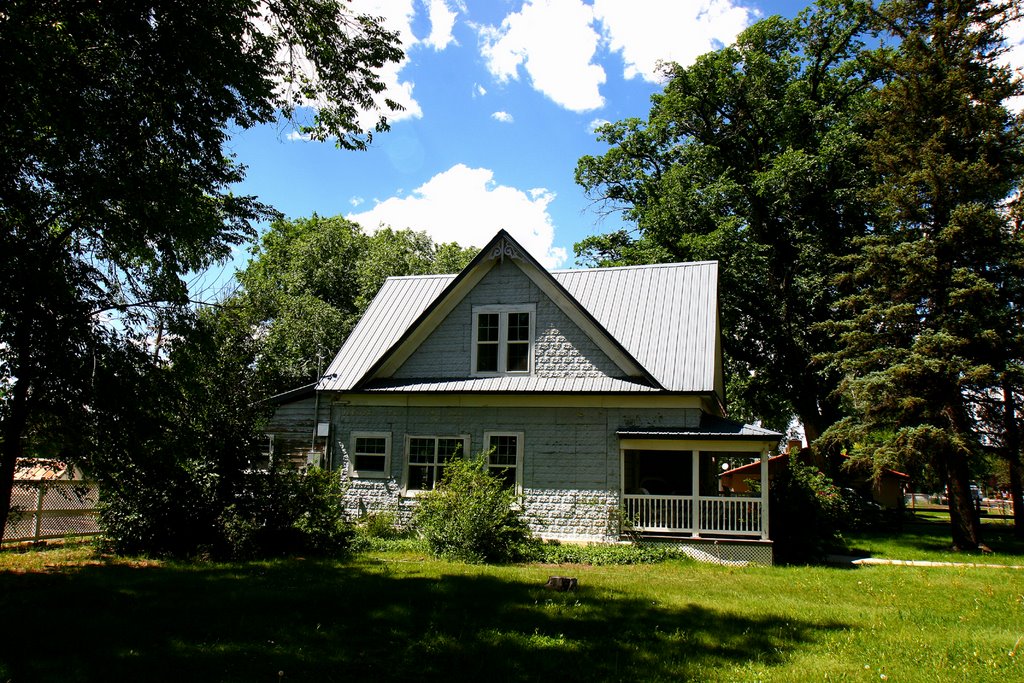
282 512
471 516
806 513
269 513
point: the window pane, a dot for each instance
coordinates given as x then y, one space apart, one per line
448 448
506 474
421 450
371 444
505 449
486 357
487 327
421 477
519 327
518 359
369 463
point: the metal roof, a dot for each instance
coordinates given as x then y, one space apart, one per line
602 385
711 427
397 305
665 316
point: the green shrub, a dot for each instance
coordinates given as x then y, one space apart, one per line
282 512
807 512
471 516
382 525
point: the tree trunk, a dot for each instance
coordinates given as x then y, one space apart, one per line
1012 446
964 522
1017 495
11 448
13 428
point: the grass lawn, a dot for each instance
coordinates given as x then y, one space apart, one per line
70 615
927 537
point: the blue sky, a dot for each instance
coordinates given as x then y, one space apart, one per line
501 97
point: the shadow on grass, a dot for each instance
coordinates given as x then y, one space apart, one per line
329 622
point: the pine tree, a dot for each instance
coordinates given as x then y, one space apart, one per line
927 326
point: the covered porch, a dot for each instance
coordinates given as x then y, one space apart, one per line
671 485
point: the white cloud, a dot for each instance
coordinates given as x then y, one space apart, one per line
356 201
555 42
595 124
479 90
398 16
668 30
503 117
296 136
442 21
467 206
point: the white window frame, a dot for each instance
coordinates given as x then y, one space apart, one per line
503 312
370 474
406 464
519 454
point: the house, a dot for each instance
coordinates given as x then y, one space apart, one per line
597 394
887 489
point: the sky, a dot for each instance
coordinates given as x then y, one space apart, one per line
501 99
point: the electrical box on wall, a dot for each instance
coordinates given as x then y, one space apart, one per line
313 458
323 428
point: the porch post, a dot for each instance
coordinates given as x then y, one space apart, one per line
695 510
764 493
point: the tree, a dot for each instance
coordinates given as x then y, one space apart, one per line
752 157
928 324
114 180
310 280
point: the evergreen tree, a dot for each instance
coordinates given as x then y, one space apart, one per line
927 326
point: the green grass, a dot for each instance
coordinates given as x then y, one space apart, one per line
926 537
71 615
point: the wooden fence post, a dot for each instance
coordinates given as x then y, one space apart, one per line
39 510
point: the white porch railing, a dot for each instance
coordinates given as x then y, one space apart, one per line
719 515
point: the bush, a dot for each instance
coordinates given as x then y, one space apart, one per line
471 516
269 513
283 512
806 513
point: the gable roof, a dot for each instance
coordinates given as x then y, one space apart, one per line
658 323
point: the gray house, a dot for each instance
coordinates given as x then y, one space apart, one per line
597 394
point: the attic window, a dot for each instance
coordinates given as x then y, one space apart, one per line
503 340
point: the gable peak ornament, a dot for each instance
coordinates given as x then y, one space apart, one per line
504 247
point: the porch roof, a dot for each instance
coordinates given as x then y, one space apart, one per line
711 428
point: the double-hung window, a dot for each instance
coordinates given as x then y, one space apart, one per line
371 455
505 456
503 340
428 456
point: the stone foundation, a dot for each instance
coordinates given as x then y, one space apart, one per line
552 514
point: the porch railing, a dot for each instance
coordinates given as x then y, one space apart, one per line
718 515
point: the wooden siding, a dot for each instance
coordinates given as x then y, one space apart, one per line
291 427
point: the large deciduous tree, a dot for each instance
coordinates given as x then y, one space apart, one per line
752 156
930 325
114 176
310 280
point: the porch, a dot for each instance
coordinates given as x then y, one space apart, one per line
671 485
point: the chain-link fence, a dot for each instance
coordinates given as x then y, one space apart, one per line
52 508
